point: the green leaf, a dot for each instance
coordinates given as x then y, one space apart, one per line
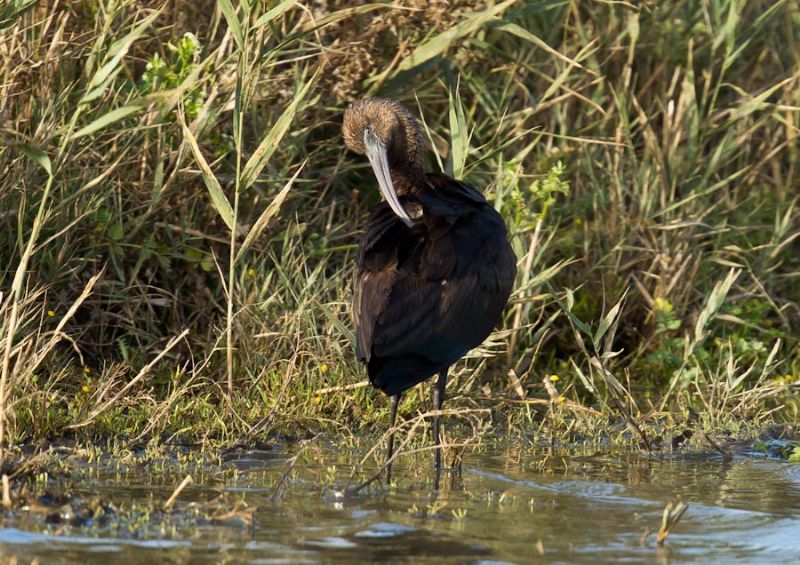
267 147
459 138
582 377
106 119
116 52
438 44
233 22
756 103
246 8
221 203
275 12
13 10
346 13
207 263
266 215
546 275
567 309
712 305
116 232
428 133
570 297
98 91
523 33
34 153
606 322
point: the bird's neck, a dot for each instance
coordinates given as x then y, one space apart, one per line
406 156
407 180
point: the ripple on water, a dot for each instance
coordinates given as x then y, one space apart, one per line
501 510
384 530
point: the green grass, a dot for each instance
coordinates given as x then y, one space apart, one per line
179 215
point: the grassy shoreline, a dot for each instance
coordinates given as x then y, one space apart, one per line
179 214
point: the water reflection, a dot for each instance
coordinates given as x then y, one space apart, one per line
508 505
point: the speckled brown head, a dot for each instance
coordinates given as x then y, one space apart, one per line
390 136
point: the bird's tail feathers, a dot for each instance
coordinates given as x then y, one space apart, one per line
394 375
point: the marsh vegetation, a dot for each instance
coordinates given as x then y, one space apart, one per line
178 223
178 218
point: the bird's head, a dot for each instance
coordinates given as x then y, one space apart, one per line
372 120
388 134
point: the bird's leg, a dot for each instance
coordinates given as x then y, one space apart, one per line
438 401
390 448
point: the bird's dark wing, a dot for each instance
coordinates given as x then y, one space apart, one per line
426 295
448 189
386 244
448 199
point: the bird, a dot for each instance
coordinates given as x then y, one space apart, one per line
434 268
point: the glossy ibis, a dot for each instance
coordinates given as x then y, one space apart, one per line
434 268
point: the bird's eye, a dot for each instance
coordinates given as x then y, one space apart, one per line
368 129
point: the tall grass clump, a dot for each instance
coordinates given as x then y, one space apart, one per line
179 216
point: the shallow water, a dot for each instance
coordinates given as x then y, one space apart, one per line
508 505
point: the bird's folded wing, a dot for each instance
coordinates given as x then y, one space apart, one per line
448 188
437 301
400 309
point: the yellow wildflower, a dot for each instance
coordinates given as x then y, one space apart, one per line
251 272
324 368
86 370
86 389
553 378
51 314
317 400
561 399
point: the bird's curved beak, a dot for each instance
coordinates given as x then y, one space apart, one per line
376 153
